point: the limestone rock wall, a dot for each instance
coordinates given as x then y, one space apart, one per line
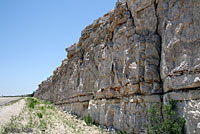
142 52
179 27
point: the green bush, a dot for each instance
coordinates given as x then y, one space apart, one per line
31 102
39 115
170 123
88 119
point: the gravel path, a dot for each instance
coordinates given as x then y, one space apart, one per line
6 112
6 100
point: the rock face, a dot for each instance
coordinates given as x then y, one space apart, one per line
143 52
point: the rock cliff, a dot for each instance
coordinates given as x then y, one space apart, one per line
142 52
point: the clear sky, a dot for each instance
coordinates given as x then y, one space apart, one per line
34 35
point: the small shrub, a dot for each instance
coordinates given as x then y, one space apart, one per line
88 120
124 132
47 102
39 115
169 124
43 124
118 132
78 117
31 102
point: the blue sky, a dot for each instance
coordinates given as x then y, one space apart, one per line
34 35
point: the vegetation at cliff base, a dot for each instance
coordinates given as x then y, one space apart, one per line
38 116
88 119
170 123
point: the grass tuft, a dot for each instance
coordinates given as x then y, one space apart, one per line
88 119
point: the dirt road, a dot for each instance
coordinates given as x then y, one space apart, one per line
6 100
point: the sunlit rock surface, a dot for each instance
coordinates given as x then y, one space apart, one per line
142 52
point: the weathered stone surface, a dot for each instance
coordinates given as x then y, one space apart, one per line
190 110
180 30
129 114
142 52
182 95
144 14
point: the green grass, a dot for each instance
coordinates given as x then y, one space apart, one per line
13 102
39 115
88 119
31 102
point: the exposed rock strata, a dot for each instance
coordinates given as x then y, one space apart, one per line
140 53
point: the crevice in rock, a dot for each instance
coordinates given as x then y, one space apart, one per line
82 54
161 107
156 14
126 97
182 90
161 82
183 72
131 16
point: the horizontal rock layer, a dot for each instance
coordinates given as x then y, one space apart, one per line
142 52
